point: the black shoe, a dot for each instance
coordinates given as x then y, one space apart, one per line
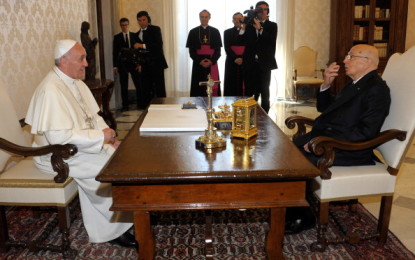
125 240
124 109
299 219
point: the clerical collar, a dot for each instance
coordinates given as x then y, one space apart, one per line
63 76
204 27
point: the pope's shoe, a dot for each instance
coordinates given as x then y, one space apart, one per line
299 219
125 240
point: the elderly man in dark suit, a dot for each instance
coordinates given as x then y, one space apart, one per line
259 55
121 42
149 40
356 113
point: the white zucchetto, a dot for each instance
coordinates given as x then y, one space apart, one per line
63 46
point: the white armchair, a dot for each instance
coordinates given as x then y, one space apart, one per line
342 183
22 184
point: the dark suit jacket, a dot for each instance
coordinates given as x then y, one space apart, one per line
154 44
262 45
118 44
356 114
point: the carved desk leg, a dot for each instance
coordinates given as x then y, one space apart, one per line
144 235
275 234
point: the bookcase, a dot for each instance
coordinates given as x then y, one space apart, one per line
381 23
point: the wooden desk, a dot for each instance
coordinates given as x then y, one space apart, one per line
164 171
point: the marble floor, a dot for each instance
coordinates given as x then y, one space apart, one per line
402 222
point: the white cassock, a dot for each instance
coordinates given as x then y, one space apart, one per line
62 111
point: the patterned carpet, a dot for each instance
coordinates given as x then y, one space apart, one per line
180 235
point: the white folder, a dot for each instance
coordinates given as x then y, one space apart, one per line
172 118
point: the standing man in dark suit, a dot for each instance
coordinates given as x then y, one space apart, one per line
355 114
148 39
234 40
122 66
259 56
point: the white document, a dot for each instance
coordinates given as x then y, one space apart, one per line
171 118
165 107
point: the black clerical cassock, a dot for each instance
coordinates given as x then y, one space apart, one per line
234 48
204 43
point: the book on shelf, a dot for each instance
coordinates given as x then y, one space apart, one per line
356 29
382 49
362 11
360 33
377 12
382 12
378 33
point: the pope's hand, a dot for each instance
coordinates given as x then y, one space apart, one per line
116 144
109 135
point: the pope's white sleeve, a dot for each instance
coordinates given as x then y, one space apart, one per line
87 141
100 122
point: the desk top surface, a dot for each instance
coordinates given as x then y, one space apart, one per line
172 157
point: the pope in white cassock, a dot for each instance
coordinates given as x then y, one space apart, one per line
63 110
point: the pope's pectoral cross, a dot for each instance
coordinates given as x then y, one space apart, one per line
205 39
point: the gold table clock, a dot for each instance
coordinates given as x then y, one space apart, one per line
244 118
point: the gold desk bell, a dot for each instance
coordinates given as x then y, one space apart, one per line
244 118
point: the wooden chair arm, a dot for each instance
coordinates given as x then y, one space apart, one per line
295 74
323 146
300 122
59 152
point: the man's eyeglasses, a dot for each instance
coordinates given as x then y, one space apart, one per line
124 24
349 57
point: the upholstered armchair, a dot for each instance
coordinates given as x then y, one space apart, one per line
305 70
22 184
343 183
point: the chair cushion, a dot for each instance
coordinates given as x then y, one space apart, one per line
26 185
354 181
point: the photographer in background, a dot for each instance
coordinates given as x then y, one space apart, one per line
259 55
124 41
149 39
